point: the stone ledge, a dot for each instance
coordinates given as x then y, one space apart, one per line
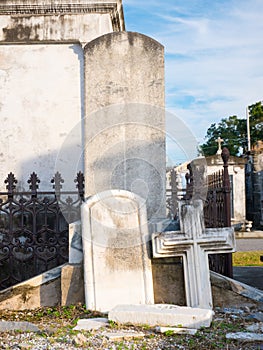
42 290
239 288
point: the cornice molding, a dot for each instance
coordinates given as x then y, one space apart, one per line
72 7
55 9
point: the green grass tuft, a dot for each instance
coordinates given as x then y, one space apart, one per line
247 258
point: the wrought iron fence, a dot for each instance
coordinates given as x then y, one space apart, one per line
34 227
217 213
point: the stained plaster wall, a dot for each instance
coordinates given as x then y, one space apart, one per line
40 104
41 84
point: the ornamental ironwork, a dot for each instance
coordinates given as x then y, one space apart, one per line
34 227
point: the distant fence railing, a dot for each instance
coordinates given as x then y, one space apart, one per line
217 210
34 227
217 213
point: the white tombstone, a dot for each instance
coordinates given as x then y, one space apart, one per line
117 265
194 243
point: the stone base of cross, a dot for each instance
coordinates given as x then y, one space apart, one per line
193 242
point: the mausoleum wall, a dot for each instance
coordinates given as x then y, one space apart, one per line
42 82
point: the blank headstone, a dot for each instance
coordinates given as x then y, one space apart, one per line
117 265
124 117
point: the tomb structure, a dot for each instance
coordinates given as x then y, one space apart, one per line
42 83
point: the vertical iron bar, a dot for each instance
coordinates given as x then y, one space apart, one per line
227 211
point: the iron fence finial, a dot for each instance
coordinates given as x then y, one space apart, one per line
11 182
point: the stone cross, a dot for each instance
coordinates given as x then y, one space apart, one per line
219 141
194 243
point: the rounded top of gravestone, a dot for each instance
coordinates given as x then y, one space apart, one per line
114 38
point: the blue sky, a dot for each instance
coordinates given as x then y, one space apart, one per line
213 54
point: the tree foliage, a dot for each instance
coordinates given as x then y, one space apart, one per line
234 132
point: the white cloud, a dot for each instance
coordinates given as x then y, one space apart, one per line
214 55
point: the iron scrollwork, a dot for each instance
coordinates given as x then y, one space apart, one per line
34 227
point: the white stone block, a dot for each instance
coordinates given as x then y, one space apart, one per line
161 315
87 324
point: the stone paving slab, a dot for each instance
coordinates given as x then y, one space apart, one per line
123 335
245 336
161 315
6 326
87 324
175 330
256 327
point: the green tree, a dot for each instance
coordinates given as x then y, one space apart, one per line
234 132
256 122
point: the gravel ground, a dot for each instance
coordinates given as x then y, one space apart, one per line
56 332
